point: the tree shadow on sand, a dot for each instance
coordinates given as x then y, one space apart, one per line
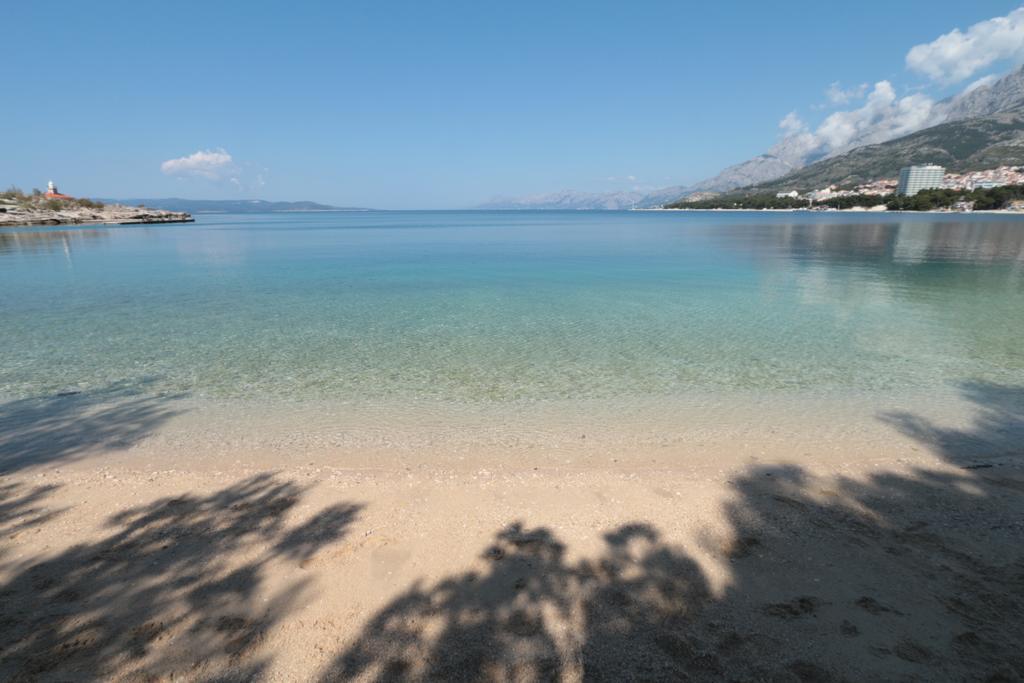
997 432
71 425
906 575
22 508
175 588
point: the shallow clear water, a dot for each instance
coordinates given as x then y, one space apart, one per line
484 307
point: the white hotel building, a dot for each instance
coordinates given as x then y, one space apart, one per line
913 179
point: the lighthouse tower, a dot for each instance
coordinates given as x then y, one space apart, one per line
53 193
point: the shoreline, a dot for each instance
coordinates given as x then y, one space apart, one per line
55 222
656 432
189 218
81 212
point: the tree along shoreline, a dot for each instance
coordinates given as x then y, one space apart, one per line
990 199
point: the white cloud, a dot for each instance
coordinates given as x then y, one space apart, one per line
212 164
883 116
836 94
217 166
958 55
792 123
980 83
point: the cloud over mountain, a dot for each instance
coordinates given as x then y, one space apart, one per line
883 116
958 55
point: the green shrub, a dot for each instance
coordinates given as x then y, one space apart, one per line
12 193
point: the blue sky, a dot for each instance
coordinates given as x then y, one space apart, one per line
437 105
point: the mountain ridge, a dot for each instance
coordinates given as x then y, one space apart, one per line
972 144
565 200
788 156
229 205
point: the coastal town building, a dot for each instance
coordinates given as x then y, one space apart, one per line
787 195
913 179
877 188
987 179
822 195
967 182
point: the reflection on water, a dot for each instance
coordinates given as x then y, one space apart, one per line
801 236
962 242
510 306
910 241
48 241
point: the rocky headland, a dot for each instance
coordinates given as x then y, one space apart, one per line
18 209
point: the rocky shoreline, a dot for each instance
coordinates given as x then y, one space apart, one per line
13 214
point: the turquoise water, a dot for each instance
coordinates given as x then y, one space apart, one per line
494 307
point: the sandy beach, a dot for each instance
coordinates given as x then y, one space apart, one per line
129 555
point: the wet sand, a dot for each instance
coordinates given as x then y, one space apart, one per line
135 545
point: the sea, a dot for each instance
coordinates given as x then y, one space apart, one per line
500 310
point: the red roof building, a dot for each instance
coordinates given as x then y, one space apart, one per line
52 193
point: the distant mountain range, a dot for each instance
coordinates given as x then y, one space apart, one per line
228 205
977 129
570 200
567 199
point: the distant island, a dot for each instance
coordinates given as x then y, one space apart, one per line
18 208
230 205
